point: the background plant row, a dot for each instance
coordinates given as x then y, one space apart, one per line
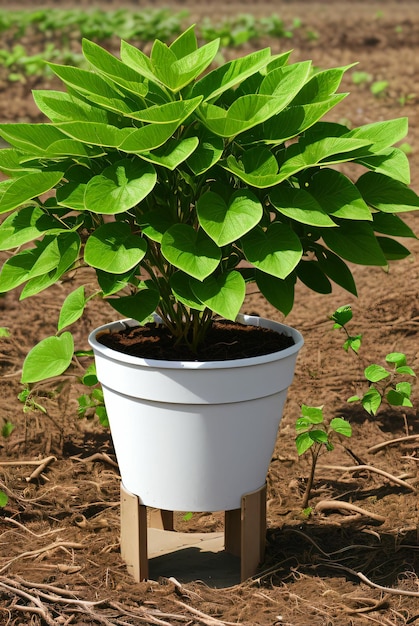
71 25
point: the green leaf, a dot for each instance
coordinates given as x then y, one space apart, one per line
355 242
115 69
7 429
4 332
299 205
311 274
95 88
223 78
180 284
207 153
336 269
99 134
375 373
321 85
191 251
171 112
66 252
371 401
389 224
149 137
258 167
342 315
338 196
244 113
223 294
314 414
319 436
276 251
391 162
173 153
398 398
175 72
341 426
405 369
29 137
139 306
59 106
386 194
51 255
291 122
50 357
286 80
393 250
326 151
382 134
72 308
90 377
112 283
25 225
353 343
119 187
404 388
29 185
227 222
3 499
278 292
303 442
114 248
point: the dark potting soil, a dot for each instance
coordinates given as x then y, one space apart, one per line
224 340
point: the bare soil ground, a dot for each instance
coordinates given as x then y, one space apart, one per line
59 546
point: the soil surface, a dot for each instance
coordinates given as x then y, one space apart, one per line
59 547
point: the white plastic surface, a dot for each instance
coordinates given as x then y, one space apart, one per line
194 436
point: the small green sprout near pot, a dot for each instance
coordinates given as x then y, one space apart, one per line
179 185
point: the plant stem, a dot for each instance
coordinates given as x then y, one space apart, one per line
315 451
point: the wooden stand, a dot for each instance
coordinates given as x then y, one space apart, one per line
244 532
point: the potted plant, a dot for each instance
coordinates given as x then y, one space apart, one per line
179 185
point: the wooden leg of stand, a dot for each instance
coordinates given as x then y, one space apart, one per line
134 535
253 532
245 531
232 532
162 519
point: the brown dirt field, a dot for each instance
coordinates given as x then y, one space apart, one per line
59 540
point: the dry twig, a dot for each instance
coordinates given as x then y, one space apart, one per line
384 444
338 505
370 468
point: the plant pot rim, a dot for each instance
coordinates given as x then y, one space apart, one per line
254 320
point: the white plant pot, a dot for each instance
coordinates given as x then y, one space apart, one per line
194 436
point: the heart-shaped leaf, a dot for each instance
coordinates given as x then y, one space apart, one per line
139 306
113 248
119 187
223 294
226 223
191 251
181 287
49 358
276 251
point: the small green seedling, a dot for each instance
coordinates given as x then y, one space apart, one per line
92 404
29 401
385 384
7 429
315 435
3 499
